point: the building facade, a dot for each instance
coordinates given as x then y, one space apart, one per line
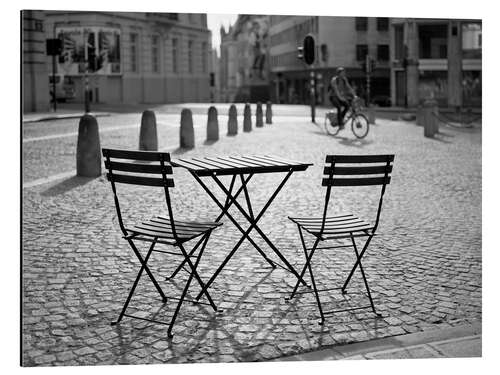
130 57
340 41
245 60
438 58
35 83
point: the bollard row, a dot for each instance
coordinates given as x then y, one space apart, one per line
88 150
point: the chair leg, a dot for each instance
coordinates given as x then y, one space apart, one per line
179 267
357 263
308 259
151 277
308 267
193 268
358 257
188 283
139 274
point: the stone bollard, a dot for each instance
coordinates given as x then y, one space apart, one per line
420 116
431 126
88 148
212 125
259 121
269 113
148 138
247 118
186 129
232 123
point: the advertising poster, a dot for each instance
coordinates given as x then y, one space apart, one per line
99 46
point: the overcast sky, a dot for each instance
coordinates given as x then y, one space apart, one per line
215 21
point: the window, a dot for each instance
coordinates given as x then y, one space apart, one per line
204 56
190 56
383 52
382 23
472 40
133 52
399 47
361 52
361 23
155 54
174 54
433 41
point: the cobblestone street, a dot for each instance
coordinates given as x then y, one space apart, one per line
424 268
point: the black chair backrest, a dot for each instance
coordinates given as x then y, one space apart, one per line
357 170
135 172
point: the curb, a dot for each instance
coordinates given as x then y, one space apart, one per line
66 116
415 345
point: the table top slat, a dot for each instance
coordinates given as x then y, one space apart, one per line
239 164
288 161
244 159
211 164
196 164
186 164
269 162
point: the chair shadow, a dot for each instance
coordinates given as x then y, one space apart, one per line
66 185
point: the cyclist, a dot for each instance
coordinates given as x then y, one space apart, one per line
341 94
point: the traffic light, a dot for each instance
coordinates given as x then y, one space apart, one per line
309 50
300 53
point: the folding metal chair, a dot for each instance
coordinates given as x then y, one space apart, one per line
154 169
345 170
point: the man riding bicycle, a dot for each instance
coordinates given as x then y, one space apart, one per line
341 94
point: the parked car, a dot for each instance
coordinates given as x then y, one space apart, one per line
65 87
381 100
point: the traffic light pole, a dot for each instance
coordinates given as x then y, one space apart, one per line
87 93
54 97
313 96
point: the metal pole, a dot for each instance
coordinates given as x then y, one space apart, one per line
313 96
367 89
87 101
54 81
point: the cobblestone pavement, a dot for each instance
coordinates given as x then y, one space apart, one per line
424 269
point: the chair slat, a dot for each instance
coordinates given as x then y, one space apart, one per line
137 167
136 180
380 169
356 181
359 158
136 155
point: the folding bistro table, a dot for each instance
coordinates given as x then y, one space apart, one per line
242 167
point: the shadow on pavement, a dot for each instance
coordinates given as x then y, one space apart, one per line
180 151
66 185
353 142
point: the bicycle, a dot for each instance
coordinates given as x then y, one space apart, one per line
359 122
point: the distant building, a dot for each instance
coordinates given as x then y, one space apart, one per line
214 68
439 58
131 57
340 41
35 83
245 60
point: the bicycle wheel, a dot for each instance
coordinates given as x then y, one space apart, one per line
360 125
331 126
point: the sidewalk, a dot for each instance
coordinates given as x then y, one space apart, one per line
457 342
